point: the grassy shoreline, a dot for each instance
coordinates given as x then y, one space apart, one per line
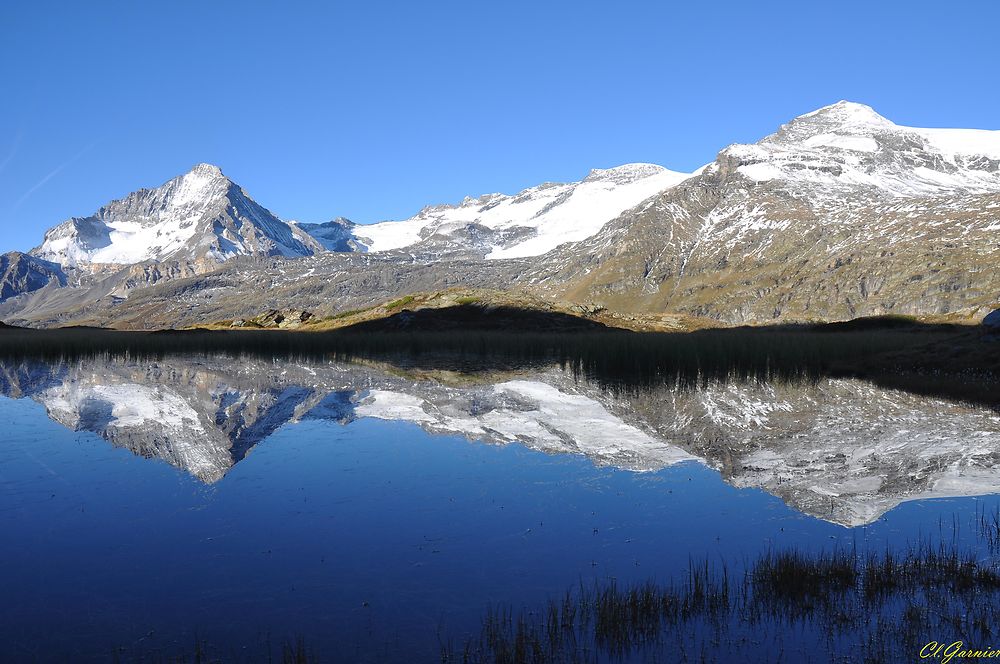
953 362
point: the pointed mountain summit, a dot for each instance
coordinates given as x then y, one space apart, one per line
197 216
845 116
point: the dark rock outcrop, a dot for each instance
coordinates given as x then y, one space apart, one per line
21 273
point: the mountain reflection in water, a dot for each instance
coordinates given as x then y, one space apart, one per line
841 450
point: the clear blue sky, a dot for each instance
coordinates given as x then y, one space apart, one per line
371 110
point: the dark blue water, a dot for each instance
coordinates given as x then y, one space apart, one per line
372 539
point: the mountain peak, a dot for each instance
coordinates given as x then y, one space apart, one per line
844 117
848 112
201 176
847 146
843 125
206 169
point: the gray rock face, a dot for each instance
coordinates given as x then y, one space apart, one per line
21 273
336 235
840 450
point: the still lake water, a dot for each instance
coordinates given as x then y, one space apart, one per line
375 511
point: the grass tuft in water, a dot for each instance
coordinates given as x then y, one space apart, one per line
835 606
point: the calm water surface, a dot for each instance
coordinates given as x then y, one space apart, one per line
376 511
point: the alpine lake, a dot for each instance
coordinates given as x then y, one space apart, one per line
201 504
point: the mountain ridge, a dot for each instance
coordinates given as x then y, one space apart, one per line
838 213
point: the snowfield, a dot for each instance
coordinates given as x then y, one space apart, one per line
553 214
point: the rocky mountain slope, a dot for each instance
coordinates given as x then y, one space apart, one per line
840 213
21 273
841 450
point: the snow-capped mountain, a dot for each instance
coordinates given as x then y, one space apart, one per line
848 146
199 215
529 223
840 213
